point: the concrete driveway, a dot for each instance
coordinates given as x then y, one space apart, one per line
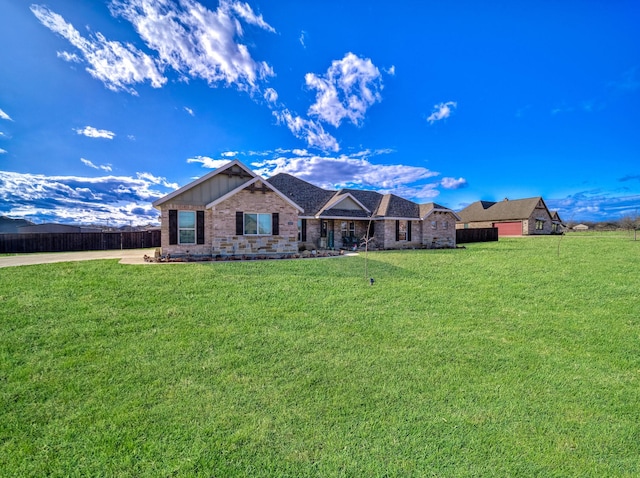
126 256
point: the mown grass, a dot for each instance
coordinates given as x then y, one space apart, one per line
502 359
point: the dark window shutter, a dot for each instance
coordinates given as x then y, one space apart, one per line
303 236
199 227
408 230
173 226
397 230
239 223
275 224
372 229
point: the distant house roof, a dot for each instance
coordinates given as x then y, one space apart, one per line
49 228
507 210
556 217
10 226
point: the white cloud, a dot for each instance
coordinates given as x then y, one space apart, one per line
594 205
112 199
91 132
421 193
197 42
347 90
116 64
103 167
442 111
189 110
69 57
302 38
354 170
245 12
229 154
310 131
453 183
208 162
271 95
3 151
5 116
391 70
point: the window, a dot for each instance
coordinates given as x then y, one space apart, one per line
539 225
348 228
186 227
434 224
257 224
302 230
445 225
402 236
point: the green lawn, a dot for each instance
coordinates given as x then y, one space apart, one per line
516 358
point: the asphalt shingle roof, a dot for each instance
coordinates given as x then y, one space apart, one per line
313 199
507 210
309 197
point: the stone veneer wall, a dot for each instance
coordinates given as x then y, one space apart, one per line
313 235
389 242
222 236
444 235
183 249
529 226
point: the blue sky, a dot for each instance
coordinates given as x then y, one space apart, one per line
107 105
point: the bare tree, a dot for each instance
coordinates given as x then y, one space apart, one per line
631 223
366 239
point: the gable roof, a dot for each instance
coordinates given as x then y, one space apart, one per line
428 208
556 217
346 198
233 169
393 206
507 210
228 168
248 185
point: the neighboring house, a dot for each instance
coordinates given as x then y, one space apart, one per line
518 217
11 226
557 226
580 227
233 211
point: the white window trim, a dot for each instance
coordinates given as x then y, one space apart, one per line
257 214
187 228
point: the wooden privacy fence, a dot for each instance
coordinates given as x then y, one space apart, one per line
484 234
77 241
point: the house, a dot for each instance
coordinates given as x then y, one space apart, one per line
518 217
232 211
340 219
557 226
580 227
